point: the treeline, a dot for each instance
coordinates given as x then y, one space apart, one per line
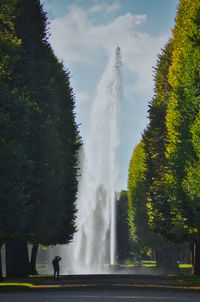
39 140
164 171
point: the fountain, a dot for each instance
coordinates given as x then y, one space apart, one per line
94 243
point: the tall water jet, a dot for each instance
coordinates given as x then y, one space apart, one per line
94 242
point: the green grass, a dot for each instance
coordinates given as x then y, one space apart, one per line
14 286
23 284
27 284
148 263
182 265
129 263
190 279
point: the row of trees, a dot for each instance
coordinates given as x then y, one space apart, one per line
39 140
164 180
145 243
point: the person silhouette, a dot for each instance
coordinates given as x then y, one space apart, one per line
56 266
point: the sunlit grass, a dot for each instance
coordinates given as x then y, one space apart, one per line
16 284
23 284
190 279
129 263
34 282
143 263
182 265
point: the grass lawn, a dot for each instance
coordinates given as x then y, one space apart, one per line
29 283
187 279
153 264
17 284
185 265
14 286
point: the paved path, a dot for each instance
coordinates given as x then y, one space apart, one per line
101 295
108 288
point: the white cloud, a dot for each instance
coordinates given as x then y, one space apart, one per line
84 39
105 8
75 38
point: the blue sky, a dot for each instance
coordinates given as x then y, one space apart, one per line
83 35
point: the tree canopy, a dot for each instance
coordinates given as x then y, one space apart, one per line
39 136
171 140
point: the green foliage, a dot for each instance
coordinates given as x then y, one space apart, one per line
159 180
39 137
170 175
136 189
171 141
15 164
182 116
122 238
53 138
9 42
141 237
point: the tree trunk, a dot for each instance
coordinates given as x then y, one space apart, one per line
196 258
34 251
192 256
17 263
158 257
1 275
166 258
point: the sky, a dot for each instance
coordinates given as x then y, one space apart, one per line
83 34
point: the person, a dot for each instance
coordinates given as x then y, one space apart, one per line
56 267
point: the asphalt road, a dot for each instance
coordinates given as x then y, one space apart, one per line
103 295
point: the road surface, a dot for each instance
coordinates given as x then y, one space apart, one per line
102 295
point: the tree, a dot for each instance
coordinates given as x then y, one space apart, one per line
137 215
143 238
157 173
123 244
46 148
15 164
53 141
182 120
137 196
